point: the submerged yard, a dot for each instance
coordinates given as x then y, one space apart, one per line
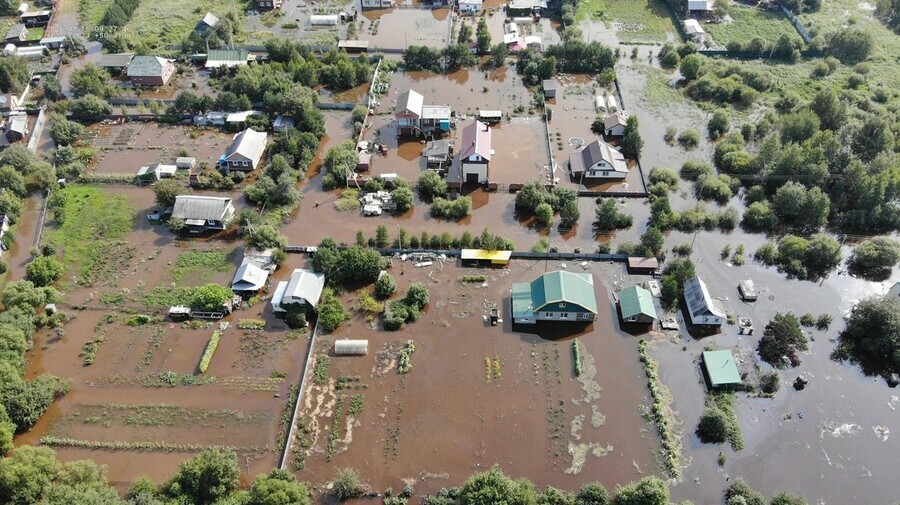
750 23
637 20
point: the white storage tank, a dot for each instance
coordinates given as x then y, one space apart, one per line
324 20
600 104
611 105
523 21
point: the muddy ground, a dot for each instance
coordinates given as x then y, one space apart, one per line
452 414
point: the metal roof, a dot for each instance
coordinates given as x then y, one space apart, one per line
636 300
249 143
692 27
16 31
549 84
640 262
116 60
483 254
305 284
619 118
721 367
226 57
411 101
437 148
207 208
249 277
210 20
476 139
699 301
554 287
147 66
436 111
595 152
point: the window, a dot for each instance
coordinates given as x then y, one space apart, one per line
562 305
245 163
564 315
548 315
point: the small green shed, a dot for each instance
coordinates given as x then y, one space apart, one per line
720 369
637 306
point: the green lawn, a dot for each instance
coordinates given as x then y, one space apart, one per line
642 20
837 14
159 22
749 23
202 264
91 238
36 33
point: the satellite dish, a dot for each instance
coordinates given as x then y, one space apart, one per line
2 99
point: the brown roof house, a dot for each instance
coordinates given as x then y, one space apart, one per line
598 160
245 151
614 124
475 153
150 71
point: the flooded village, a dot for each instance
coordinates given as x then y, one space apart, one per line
449 252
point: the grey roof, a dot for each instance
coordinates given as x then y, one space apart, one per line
16 31
437 148
210 20
18 124
411 101
116 59
249 277
699 301
549 84
249 144
616 119
305 284
594 152
206 208
146 66
226 57
436 111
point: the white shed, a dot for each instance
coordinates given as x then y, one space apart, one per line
351 347
324 20
185 162
611 104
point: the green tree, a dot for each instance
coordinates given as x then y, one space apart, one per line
691 66
381 236
592 493
346 484
265 236
830 111
759 217
569 214
361 264
63 131
385 286
82 481
14 74
27 474
713 427
544 213
18 157
482 37
632 143
647 491
279 487
43 270
607 217
498 55
167 190
782 337
90 80
431 185
89 106
851 45
465 33
876 257
873 138
7 430
799 126
872 335
205 479
13 181
652 241
211 297
740 489
402 198
417 295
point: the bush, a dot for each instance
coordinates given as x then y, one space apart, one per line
331 311
385 286
417 295
43 270
544 214
210 297
607 217
769 383
692 169
719 124
346 484
875 258
664 176
451 209
689 139
713 426
211 347
431 185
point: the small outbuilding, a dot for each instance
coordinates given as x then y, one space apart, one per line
116 62
614 124
156 171
16 33
324 20
17 128
484 257
550 86
150 70
702 308
354 46
720 369
249 278
636 304
185 162
351 347
642 266
747 291
437 154
36 18
304 288
282 123
208 22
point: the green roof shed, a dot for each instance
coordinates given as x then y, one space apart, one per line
637 306
721 368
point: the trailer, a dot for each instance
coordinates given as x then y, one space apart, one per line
747 291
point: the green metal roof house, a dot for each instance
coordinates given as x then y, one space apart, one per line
720 369
637 306
554 296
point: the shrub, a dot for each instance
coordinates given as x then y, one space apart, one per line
417 295
43 270
451 209
875 257
769 383
692 169
719 124
211 347
431 185
331 312
689 139
544 214
385 286
607 217
782 337
346 484
713 426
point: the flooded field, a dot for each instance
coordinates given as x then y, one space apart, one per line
399 28
141 390
125 148
452 414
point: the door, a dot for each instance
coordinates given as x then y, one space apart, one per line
472 178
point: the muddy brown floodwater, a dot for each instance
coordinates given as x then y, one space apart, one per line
479 395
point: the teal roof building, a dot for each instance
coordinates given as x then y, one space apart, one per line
555 296
636 304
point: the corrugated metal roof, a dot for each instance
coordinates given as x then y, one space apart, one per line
116 59
476 139
482 254
699 301
595 152
249 143
721 367
16 31
411 101
636 300
619 118
226 57
562 286
207 208
436 111
249 277
305 284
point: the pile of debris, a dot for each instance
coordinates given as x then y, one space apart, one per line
373 204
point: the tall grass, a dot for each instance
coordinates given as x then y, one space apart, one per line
211 347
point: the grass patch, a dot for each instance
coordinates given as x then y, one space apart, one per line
211 347
163 297
159 416
91 233
203 262
467 279
660 414
649 20
148 26
750 23
251 324
349 200
356 406
36 33
320 370
403 362
657 91
724 401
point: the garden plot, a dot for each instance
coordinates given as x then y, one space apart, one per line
400 28
127 147
748 23
474 394
124 358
